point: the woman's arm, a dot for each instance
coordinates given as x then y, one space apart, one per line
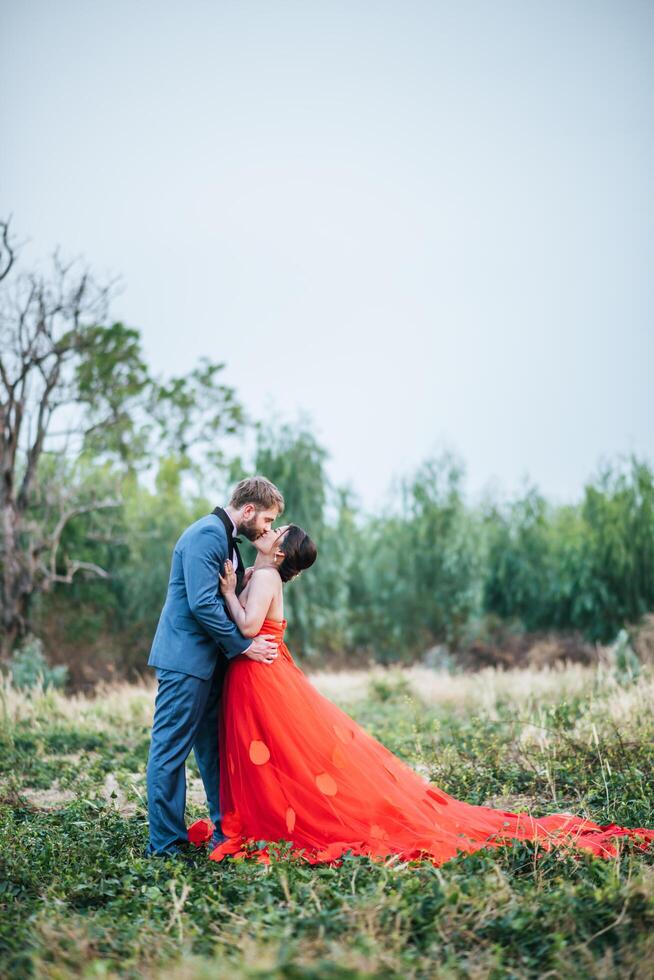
261 591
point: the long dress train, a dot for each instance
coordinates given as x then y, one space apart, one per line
296 768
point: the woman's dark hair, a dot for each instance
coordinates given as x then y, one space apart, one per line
299 552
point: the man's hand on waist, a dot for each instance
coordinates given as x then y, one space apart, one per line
263 650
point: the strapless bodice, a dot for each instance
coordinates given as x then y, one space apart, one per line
273 627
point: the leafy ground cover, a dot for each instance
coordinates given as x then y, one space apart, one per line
77 898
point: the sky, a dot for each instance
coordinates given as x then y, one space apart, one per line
422 226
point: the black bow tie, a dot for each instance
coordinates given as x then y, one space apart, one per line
237 540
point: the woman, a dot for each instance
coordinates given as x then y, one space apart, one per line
294 767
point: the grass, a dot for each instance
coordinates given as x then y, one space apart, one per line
78 899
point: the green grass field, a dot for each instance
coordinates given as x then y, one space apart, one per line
78 899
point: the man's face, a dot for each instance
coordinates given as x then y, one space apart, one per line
254 523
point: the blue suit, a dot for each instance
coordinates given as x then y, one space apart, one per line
193 638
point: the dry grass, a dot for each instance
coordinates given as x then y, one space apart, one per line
482 692
108 705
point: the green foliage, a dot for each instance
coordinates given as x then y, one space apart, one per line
427 573
588 568
111 378
131 416
414 577
29 668
134 546
618 513
425 576
195 413
77 897
520 567
77 396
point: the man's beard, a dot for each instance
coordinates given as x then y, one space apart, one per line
248 529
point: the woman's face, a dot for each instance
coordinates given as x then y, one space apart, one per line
270 542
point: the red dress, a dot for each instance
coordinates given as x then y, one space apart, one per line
296 768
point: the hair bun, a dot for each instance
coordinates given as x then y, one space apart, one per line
299 550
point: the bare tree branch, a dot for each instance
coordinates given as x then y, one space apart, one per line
72 567
7 253
67 516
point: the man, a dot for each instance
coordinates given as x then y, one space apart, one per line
194 641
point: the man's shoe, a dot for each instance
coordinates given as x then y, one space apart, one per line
183 851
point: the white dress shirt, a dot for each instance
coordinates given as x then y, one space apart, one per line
234 555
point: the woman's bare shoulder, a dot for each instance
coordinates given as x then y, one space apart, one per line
270 573
267 577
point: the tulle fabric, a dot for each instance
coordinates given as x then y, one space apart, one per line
296 768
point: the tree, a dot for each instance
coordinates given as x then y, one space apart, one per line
520 573
418 575
587 567
74 391
316 604
618 548
291 457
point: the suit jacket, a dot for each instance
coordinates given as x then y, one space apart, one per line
194 628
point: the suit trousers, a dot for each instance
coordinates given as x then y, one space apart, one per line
186 716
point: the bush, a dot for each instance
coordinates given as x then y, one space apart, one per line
28 667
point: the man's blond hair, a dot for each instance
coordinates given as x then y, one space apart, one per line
259 491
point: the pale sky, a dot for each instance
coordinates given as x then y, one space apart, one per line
425 225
